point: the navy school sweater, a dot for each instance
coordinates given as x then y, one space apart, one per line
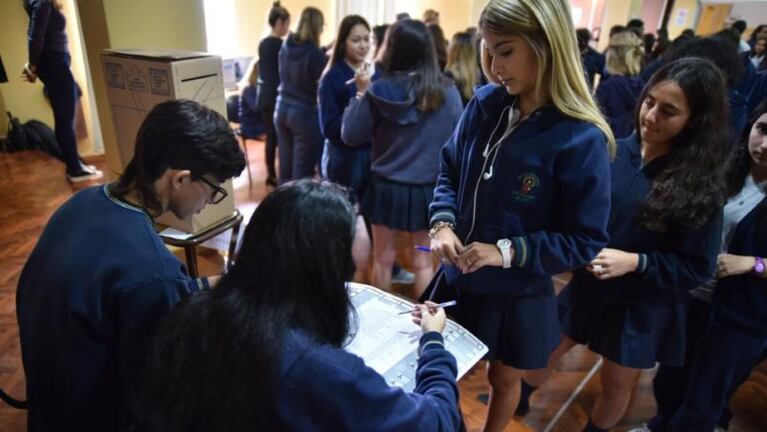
323 388
334 96
406 141
300 68
88 300
740 301
268 72
672 263
617 97
549 194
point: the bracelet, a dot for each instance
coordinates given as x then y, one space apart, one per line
436 226
759 265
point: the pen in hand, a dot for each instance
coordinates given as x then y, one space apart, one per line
441 305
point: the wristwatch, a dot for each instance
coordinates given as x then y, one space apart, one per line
759 265
504 245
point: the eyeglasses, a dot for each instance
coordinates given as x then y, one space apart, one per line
218 193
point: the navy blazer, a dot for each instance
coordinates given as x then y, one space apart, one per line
741 301
549 193
671 263
334 96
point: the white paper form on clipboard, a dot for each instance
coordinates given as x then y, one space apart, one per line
388 341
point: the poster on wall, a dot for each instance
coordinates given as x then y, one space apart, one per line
681 17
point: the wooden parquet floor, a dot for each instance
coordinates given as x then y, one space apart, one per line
32 186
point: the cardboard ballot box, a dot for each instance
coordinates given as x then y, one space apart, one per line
137 80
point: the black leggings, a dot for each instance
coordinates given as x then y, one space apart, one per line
270 149
54 72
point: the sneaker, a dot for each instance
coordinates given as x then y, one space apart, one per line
86 173
642 428
403 277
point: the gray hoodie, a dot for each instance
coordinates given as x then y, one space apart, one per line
406 142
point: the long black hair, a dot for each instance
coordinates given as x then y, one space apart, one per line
690 189
740 167
215 361
410 48
344 29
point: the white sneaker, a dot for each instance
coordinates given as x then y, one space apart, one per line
86 173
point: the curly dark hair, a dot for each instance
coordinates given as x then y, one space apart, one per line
740 167
690 189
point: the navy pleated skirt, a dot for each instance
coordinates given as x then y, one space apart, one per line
348 166
398 206
631 335
520 331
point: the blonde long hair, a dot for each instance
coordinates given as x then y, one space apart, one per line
462 63
546 25
624 54
309 26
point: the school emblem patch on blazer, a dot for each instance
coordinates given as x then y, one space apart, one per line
527 184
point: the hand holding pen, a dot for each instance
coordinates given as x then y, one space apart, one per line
362 78
430 317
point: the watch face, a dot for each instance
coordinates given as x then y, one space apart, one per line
759 267
504 243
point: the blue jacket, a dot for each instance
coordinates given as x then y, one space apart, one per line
251 123
757 93
593 63
738 115
671 263
334 97
406 141
300 68
617 97
740 301
323 388
89 297
549 194
650 69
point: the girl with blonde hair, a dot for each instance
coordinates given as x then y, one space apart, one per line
619 89
462 64
523 191
296 121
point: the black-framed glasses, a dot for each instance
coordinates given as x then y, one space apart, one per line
218 193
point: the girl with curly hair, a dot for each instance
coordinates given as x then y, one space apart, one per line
667 191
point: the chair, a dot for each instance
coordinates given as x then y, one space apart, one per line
233 115
189 244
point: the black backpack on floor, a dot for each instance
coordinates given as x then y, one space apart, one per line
32 135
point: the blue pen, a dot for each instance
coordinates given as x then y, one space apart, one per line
441 305
423 248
